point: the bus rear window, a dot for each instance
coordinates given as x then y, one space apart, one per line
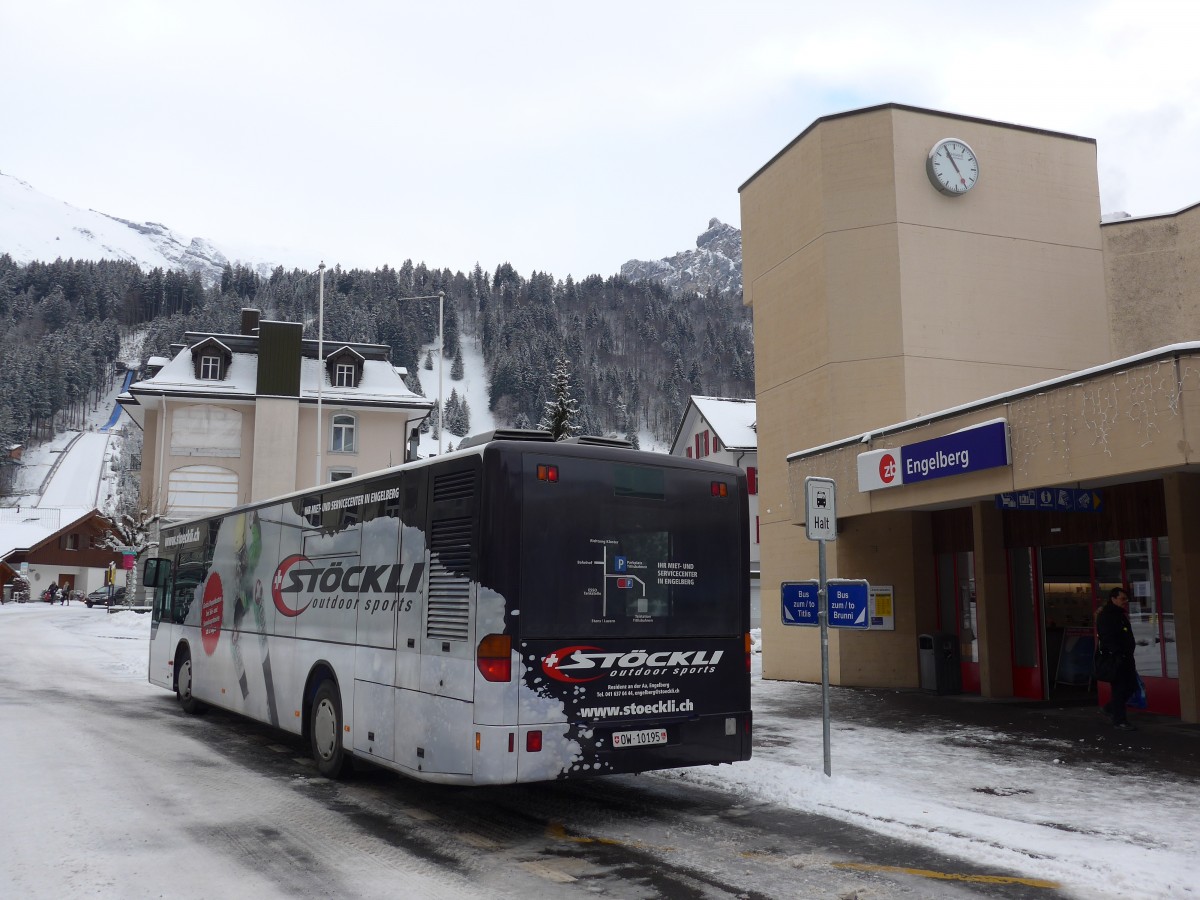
639 481
614 550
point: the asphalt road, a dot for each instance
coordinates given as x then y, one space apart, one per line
118 793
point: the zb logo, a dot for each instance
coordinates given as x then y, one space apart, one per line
887 468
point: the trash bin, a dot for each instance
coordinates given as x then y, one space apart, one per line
927 659
949 669
7 592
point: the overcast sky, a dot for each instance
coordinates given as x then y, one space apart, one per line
561 137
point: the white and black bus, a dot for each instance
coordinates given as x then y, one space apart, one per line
518 610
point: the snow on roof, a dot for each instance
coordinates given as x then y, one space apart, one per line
19 537
156 361
732 419
178 376
380 381
211 340
21 529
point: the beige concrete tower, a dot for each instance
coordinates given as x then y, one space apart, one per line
878 298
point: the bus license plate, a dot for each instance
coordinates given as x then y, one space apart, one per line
621 739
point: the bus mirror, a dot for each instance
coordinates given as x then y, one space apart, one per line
157 573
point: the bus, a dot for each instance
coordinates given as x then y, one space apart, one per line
517 610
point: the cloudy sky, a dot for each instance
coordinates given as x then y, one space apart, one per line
561 137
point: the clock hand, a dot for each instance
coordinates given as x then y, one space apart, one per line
950 156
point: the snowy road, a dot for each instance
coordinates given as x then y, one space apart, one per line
109 790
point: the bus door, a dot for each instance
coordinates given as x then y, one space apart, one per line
157 578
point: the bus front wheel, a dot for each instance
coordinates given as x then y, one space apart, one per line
183 684
325 730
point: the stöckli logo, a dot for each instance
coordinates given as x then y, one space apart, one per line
578 664
297 575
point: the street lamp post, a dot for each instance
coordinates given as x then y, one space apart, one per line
440 297
320 368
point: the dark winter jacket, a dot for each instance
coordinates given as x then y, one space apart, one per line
1114 632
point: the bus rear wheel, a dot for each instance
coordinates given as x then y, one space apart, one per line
183 684
325 731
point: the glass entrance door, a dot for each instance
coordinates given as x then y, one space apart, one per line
1055 593
1069 611
1143 567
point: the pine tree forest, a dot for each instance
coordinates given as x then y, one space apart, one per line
635 350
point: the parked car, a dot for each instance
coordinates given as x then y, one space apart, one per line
100 596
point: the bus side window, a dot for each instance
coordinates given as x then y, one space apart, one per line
157 576
188 577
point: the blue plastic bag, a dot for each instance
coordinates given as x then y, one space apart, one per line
1138 700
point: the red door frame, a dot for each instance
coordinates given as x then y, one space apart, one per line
1028 682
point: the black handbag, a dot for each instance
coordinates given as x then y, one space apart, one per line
1105 665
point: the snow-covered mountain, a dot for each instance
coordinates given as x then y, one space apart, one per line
34 226
715 263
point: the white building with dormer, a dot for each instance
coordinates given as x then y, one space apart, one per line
724 430
231 419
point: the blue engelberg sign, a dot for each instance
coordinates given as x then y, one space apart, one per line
970 450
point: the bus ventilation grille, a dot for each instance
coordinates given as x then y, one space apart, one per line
453 486
595 440
448 613
505 434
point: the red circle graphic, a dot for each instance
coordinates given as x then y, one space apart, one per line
212 609
887 468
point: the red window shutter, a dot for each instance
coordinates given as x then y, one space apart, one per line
706 442
689 452
697 446
752 479
716 444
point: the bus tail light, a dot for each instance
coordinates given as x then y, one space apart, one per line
749 644
547 473
720 489
494 657
533 741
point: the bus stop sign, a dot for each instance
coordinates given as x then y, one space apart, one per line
820 509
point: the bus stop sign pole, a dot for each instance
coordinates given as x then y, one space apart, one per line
820 525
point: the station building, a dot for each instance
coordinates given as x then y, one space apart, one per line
939 292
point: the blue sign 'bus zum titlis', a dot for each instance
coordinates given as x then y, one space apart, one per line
799 603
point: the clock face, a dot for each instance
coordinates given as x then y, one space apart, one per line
952 167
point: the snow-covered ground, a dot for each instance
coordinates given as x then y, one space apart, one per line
1133 835
961 790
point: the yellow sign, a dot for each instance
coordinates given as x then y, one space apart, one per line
882 611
